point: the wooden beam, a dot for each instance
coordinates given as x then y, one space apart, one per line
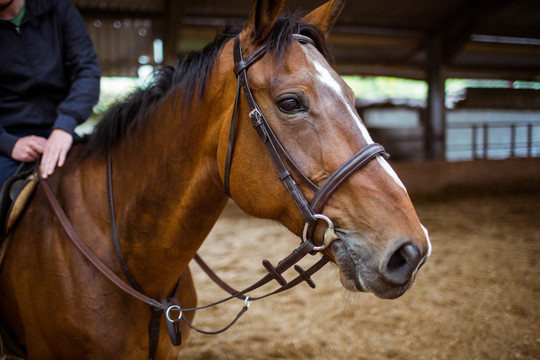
456 28
174 11
436 110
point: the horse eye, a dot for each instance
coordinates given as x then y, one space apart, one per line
289 105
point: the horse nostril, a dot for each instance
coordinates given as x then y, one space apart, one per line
398 265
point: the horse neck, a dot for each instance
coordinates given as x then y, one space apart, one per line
167 190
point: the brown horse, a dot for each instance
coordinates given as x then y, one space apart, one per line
168 146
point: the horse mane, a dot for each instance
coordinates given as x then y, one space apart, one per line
191 72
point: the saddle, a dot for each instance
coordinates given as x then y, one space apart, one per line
15 195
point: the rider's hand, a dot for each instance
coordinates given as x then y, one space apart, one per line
55 151
28 148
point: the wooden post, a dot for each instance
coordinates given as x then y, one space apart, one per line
436 111
485 142
474 142
529 140
174 10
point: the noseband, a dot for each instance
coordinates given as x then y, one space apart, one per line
310 211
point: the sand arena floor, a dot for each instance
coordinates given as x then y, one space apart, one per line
478 297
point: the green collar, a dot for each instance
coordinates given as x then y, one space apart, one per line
17 20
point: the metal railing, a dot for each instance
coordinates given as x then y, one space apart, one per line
492 140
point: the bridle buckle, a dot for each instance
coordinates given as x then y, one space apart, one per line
329 234
255 113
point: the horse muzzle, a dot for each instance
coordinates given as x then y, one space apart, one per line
389 277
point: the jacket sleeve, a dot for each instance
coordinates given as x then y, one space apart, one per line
83 70
7 142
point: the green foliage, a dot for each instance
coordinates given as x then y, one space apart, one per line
381 87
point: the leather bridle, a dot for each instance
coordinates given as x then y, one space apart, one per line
311 212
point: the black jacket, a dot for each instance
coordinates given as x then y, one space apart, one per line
49 73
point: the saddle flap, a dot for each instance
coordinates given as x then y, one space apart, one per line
21 191
15 194
16 187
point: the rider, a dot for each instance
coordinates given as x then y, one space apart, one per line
49 82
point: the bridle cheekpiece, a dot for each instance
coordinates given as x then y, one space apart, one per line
309 211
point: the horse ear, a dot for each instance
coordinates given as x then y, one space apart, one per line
325 15
261 19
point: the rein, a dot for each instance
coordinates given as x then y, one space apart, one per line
170 307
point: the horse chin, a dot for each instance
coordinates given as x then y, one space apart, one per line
350 270
357 276
353 284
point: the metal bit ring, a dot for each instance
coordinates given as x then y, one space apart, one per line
329 235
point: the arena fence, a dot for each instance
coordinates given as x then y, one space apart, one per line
493 140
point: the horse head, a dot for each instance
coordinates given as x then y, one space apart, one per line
380 243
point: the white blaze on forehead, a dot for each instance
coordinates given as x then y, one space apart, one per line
326 77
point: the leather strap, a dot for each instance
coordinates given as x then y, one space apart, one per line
230 147
173 325
155 318
345 171
156 306
296 255
153 332
304 275
264 130
274 273
88 253
241 65
338 177
114 233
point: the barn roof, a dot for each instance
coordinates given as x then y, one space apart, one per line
471 38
